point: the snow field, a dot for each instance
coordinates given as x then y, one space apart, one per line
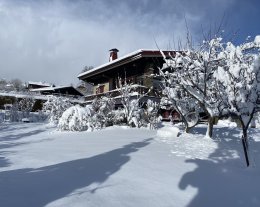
121 166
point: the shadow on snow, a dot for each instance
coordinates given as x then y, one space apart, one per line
38 187
223 179
16 127
9 141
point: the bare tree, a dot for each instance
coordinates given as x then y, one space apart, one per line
86 68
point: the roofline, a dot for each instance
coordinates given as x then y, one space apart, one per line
39 83
54 88
123 60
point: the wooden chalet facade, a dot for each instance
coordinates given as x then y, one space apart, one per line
137 68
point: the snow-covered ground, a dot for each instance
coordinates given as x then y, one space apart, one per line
119 166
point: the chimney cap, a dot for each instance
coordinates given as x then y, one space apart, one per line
114 50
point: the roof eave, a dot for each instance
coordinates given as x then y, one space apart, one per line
123 60
109 67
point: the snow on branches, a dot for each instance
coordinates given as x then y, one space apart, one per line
75 118
133 107
102 112
217 77
55 106
25 105
240 77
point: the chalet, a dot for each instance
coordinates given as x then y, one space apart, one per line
35 85
68 91
136 67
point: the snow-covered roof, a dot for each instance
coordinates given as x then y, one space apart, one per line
39 83
51 88
56 89
22 95
124 59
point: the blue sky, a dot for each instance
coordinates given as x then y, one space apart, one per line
52 40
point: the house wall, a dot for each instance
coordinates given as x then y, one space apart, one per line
137 72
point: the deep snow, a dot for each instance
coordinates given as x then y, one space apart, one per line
119 166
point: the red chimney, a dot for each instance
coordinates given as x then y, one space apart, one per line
113 54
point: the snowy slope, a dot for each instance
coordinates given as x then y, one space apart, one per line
126 167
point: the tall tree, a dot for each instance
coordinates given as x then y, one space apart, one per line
193 71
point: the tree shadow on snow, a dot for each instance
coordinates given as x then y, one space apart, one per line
199 129
38 187
9 141
11 126
223 179
15 137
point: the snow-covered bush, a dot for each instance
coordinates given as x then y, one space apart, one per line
75 118
25 105
95 116
103 112
119 117
55 106
13 112
138 116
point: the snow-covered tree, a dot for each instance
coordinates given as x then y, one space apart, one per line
131 101
240 78
218 77
178 98
55 106
17 84
12 85
192 76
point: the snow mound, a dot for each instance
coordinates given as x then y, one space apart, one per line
227 123
168 131
189 146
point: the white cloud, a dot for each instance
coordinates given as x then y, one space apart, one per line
53 40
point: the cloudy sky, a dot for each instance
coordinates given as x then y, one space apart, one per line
52 40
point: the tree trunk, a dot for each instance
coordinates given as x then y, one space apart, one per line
245 136
245 144
187 129
209 132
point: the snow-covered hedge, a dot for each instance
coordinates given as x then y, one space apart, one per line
101 113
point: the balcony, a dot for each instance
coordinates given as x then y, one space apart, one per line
136 90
